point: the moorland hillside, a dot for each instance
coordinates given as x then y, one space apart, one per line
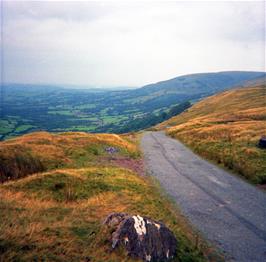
226 128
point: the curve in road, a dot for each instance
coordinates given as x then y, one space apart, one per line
229 212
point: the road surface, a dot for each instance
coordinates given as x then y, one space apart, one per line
229 212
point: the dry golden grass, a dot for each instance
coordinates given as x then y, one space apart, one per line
37 225
46 144
71 184
42 151
226 128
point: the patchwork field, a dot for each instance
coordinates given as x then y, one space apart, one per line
226 128
56 213
26 108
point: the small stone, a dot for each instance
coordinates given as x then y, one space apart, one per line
262 142
111 150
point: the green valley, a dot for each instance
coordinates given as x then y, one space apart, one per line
27 108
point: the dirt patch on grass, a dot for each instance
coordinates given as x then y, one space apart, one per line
136 165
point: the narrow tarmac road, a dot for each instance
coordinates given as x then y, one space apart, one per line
229 212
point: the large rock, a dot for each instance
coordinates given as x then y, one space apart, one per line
142 237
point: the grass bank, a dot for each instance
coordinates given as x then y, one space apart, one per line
56 214
226 128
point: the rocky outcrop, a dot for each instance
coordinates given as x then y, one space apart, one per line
142 237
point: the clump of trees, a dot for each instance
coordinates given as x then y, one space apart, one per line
153 119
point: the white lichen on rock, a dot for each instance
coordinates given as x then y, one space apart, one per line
142 237
126 240
148 257
157 225
139 225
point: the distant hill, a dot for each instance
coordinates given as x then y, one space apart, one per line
26 108
202 83
187 88
226 128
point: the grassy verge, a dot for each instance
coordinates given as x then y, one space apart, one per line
226 128
234 146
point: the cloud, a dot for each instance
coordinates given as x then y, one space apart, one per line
115 43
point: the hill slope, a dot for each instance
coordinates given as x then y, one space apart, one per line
56 213
226 128
42 151
27 108
203 83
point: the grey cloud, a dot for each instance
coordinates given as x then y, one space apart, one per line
129 43
69 10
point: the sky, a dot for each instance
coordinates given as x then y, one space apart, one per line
128 43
